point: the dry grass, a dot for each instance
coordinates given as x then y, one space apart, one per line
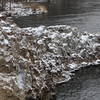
35 6
6 95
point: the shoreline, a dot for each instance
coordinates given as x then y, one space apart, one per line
34 60
24 9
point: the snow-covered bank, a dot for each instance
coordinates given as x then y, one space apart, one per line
33 60
20 9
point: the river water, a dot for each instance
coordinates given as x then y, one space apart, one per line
84 14
85 85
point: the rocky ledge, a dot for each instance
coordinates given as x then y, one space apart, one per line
34 60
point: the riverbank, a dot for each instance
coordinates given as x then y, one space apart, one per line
34 59
18 9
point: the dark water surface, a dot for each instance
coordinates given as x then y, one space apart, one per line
84 14
85 85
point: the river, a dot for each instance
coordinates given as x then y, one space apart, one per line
85 85
84 14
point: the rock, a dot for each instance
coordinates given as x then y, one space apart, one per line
3 17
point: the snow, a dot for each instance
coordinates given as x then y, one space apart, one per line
39 30
20 81
7 29
72 66
84 38
66 35
97 61
6 77
53 50
3 22
1 15
96 45
6 41
19 9
7 87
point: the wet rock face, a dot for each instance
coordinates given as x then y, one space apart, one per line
33 60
